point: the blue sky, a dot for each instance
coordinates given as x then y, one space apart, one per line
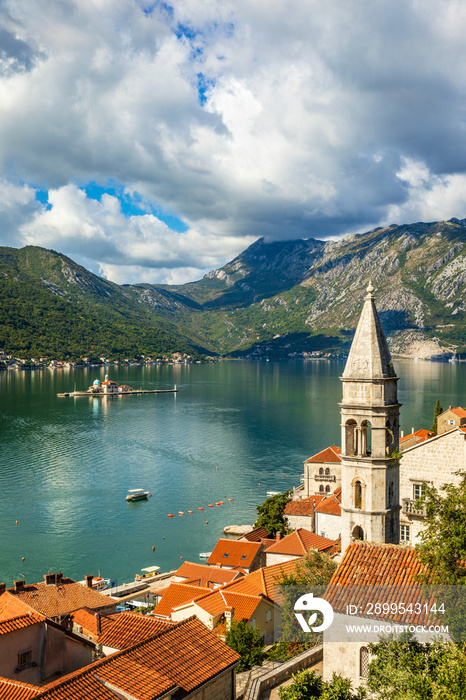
153 141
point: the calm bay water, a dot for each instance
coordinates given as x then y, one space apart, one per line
66 464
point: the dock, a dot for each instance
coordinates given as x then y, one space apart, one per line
140 587
101 394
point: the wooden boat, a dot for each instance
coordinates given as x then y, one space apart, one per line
137 495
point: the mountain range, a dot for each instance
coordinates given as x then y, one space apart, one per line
273 299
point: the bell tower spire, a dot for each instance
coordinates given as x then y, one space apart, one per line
370 434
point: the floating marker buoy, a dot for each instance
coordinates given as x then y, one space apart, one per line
211 505
217 504
201 508
163 538
206 522
22 558
170 515
150 495
259 484
153 548
181 557
229 499
189 511
180 512
16 522
222 503
216 469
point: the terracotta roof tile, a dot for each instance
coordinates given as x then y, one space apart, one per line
20 622
242 604
299 543
263 581
234 553
330 454
185 656
330 505
188 570
366 565
88 619
15 690
259 533
304 507
11 607
176 594
66 597
130 628
458 411
422 434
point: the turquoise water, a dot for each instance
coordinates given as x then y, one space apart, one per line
66 464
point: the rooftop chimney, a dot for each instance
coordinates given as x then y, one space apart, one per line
19 585
99 626
89 578
2 588
50 579
278 536
59 577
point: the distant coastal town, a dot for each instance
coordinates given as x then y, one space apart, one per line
12 362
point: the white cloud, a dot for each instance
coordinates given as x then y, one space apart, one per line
319 119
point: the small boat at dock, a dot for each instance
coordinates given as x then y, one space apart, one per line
147 573
137 495
204 555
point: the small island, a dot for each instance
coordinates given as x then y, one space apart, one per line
110 388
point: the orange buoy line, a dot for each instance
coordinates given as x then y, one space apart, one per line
180 512
229 499
222 503
201 508
170 515
211 505
189 511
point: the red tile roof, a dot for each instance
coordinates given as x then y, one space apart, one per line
181 658
14 690
66 597
422 434
15 615
188 570
330 454
128 628
331 504
367 565
263 581
176 594
304 507
300 542
458 411
259 533
20 622
88 619
242 604
234 553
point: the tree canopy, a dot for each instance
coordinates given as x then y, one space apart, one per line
271 514
437 411
247 642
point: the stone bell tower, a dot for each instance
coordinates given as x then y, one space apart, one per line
369 436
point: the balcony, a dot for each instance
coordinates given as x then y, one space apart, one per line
325 477
407 508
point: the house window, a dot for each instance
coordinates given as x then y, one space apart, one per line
226 554
404 533
321 471
253 623
268 616
451 422
327 472
363 662
418 490
24 659
327 489
321 488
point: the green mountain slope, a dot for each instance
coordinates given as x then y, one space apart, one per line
273 298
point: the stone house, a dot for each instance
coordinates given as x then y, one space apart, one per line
452 417
230 554
295 545
300 513
328 516
322 473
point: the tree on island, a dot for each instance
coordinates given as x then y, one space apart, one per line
271 514
247 642
437 411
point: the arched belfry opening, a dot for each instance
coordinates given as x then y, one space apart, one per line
351 438
366 438
358 493
358 533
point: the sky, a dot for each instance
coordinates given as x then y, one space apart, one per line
153 142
